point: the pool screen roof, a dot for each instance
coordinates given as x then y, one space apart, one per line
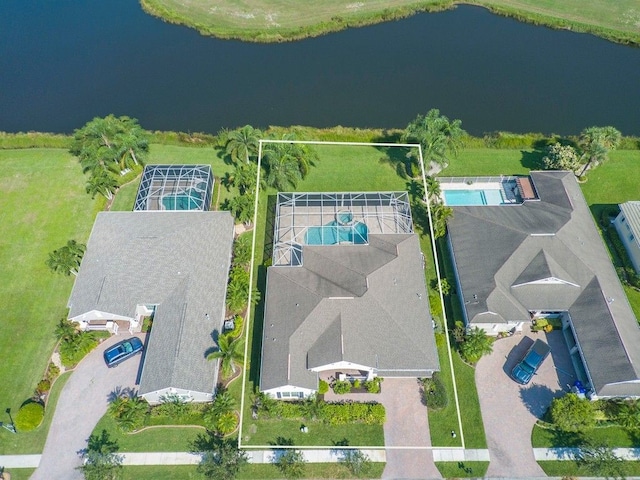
175 187
346 213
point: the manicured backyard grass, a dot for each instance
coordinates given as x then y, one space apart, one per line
462 469
271 20
569 468
44 204
248 472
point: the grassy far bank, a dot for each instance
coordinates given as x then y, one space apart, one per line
282 20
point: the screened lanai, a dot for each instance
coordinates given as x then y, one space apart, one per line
175 187
335 219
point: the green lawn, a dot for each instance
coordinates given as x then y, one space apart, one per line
44 204
569 469
462 469
21 473
277 20
613 436
248 472
33 442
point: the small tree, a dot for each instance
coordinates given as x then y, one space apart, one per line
221 459
230 352
101 461
561 157
600 461
571 413
438 136
357 463
66 260
628 416
476 344
102 183
596 142
439 215
291 463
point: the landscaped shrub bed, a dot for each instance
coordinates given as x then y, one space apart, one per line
29 417
78 346
434 394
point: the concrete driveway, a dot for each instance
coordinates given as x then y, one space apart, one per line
406 429
83 401
510 410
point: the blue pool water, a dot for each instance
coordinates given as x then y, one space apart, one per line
190 201
458 198
332 233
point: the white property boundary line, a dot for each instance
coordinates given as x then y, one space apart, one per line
251 274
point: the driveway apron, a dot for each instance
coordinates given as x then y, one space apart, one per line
83 401
510 410
406 426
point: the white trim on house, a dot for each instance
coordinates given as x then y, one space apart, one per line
290 392
187 396
342 365
109 320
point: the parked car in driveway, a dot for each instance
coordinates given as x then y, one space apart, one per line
527 367
122 350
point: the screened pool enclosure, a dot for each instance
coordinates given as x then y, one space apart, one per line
175 187
343 218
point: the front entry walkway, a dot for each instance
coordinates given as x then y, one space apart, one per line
406 431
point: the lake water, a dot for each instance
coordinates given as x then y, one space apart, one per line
62 63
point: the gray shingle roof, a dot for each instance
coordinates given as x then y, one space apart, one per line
500 250
364 304
178 261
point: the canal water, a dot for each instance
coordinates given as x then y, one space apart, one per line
63 63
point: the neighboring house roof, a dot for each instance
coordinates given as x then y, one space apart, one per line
178 261
631 211
363 304
547 255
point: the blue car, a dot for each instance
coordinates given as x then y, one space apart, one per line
524 371
122 350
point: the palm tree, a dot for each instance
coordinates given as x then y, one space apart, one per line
433 187
242 144
628 416
476 344
437 135
65 330
101 182
596 142
226 423
439 215
230 352
241 206
66 260
283 168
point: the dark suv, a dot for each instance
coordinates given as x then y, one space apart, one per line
524 371
122 350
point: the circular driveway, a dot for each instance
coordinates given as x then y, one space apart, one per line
510 410
83 401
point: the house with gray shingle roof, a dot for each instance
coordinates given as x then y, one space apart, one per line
541 257
346 294
627 224
173 265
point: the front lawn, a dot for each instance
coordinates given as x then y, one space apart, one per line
462 469
613 436
570 469
248 472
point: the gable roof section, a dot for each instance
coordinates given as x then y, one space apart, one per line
510 257
178 261
386 326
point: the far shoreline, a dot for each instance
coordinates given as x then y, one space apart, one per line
338 23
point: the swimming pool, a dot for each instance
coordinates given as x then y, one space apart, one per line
459 198
191 200
333 233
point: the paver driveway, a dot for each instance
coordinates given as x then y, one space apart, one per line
510 410
406 426
83 401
